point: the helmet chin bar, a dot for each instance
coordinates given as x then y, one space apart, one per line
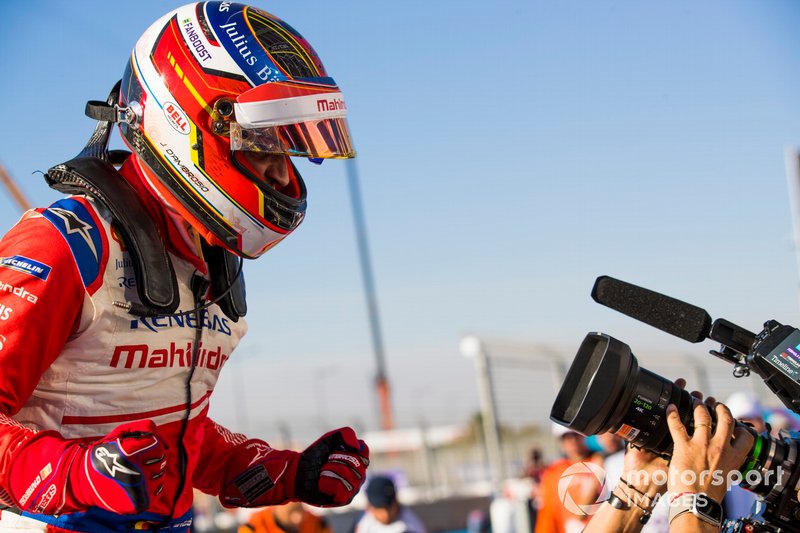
297 204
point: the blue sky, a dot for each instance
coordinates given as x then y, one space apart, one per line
510 152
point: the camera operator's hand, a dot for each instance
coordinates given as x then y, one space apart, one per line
635 490
701 463
640 485
641 464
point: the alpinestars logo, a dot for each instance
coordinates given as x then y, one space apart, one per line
110 461
262 450
73 224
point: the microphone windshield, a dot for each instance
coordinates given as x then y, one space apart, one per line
667 314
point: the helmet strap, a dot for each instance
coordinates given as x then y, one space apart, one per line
92 173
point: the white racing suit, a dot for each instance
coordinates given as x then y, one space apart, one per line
72 362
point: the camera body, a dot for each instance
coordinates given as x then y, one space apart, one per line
775 357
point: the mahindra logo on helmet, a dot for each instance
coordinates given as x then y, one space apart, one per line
177 118
330 105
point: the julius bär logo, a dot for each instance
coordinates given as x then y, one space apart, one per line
584 478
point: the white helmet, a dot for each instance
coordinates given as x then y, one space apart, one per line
213 79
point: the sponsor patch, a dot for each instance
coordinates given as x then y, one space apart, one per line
194 37
208 320
18 291
254 482
236 35
177 118
45 500
344 457
20 263
24 499
174 355
43 474
84 238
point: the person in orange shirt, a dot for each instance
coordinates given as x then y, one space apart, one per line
288 518
555 514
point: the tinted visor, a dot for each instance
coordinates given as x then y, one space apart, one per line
326 138
307 125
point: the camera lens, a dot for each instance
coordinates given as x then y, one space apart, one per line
771 466
606 390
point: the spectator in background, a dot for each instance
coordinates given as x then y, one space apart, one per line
535 466
384 512
292 517
781 418
553 516
478 522
533 472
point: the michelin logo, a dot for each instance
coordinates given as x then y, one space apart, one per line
28 266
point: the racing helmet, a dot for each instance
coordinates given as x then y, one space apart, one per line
210 81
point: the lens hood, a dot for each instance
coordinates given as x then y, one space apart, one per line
594 384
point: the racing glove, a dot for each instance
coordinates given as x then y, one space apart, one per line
328 473
122 472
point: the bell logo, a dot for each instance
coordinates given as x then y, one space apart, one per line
177 118
580 475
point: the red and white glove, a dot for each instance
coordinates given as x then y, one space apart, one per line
328 473
122 472
331 471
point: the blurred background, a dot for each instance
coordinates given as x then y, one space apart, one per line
509 153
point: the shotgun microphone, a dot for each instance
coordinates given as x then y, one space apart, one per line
673 316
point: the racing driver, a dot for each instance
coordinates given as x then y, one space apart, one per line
137 274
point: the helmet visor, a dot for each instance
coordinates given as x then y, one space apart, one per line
327 139
311 125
